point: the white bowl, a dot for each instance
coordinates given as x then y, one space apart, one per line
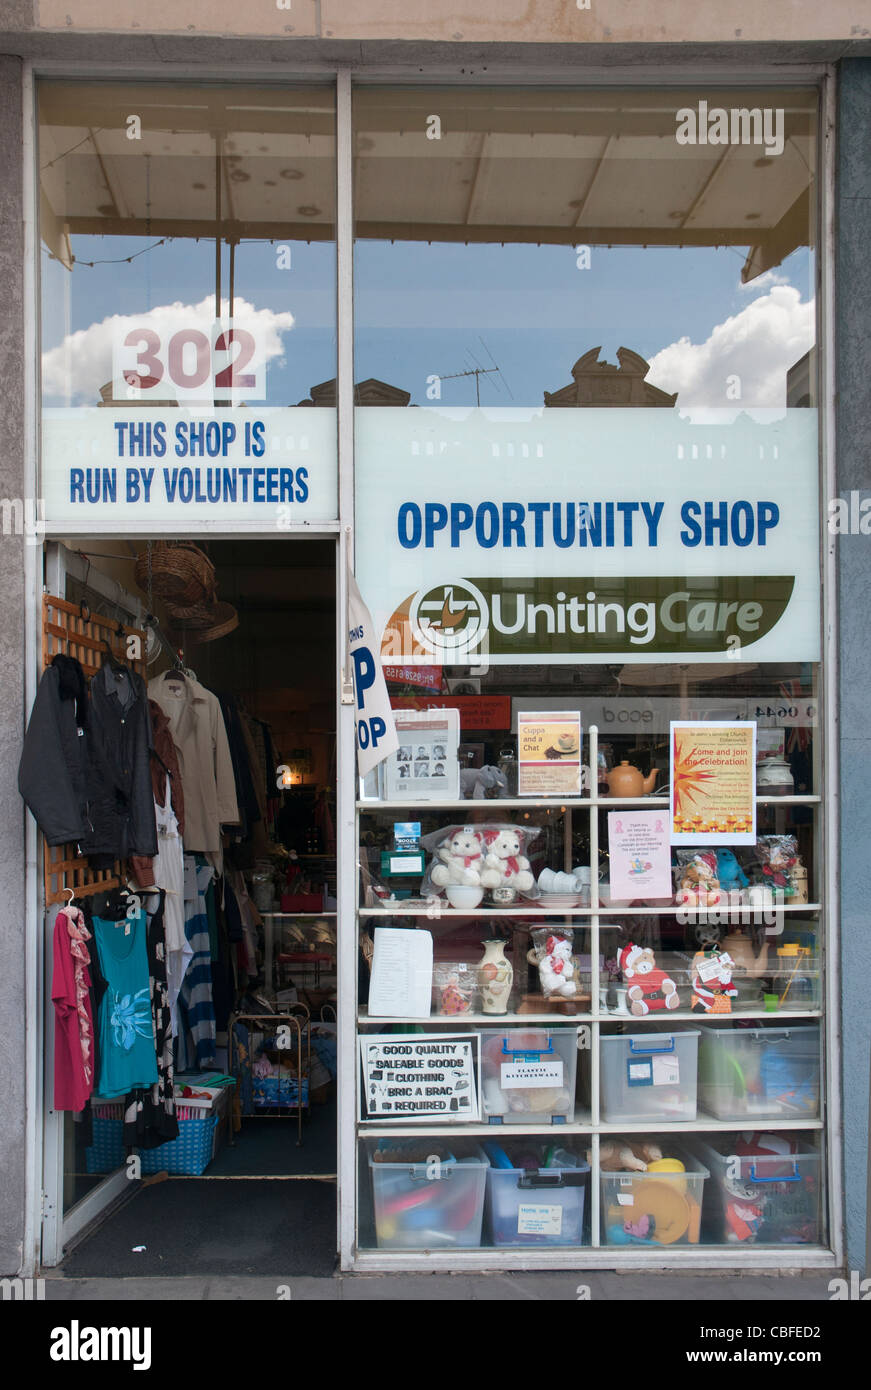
464 895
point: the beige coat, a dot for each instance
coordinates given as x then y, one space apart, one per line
197 727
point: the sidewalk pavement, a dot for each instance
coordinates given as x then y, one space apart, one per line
706 1286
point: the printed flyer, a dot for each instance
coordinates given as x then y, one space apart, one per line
713 783
549 753
639 854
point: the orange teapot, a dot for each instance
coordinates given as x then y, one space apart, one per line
626 780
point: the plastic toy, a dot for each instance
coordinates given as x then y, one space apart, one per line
732 877
623 1156
648 988
698 883
778 856
556 969
477 782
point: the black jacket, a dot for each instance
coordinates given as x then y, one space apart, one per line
53 775
85 766
121 800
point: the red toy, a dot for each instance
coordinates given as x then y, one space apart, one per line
649 988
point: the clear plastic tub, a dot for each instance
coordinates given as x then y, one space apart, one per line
654 1208
536 1206
761 1200
760 1073
528 1074
427 1203
649 1076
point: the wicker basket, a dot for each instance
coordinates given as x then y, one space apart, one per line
226 619
181 573
193 616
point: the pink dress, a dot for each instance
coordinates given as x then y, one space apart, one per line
74 1024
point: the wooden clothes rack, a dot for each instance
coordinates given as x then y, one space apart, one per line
67 632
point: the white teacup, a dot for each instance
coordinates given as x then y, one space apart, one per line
546 881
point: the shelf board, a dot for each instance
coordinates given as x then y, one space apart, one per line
570 803
520 1020
496 911
583 1125
297 915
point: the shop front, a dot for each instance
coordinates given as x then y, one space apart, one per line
540 367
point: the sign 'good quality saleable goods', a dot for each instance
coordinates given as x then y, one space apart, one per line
516 536
421 1077
188 468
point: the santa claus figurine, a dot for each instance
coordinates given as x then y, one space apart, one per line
648 987
713 990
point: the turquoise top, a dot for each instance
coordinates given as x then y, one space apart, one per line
127 1052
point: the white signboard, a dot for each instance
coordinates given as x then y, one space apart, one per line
184 469
421 1077
376 728
521 536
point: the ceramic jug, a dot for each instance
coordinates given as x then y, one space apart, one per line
626 780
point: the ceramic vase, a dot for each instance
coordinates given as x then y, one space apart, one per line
496 977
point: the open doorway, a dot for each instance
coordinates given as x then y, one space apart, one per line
241 1178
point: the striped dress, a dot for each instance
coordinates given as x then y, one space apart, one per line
196 1009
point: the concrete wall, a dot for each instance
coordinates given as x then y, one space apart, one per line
501 21
12 1109
853 359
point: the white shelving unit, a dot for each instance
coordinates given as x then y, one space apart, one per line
586 1123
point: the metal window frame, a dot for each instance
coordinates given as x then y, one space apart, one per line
345 77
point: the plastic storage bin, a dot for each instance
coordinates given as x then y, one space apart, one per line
654 1208
649 1076
528 1075
760 1073
421 1205
535 1206
759 1199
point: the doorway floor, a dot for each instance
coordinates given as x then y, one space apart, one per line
238 1227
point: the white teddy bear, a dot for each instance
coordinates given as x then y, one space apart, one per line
504 865
556 970
461 859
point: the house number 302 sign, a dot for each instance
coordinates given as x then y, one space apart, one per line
190 364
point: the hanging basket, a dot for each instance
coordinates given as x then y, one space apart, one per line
180 572
193 616
226 619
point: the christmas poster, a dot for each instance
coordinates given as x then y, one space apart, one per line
713 783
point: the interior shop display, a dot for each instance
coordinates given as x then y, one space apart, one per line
760 1073
427 1194
661 1205
535 1194
528 1075
764 1188
649 1076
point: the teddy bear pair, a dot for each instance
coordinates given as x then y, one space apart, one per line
487 857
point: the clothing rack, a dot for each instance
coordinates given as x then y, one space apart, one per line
68 632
